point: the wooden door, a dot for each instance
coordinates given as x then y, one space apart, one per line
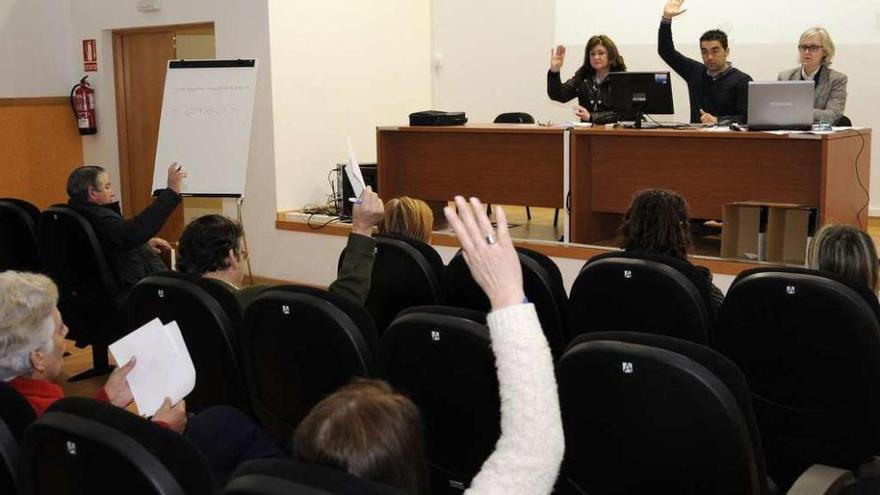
140 61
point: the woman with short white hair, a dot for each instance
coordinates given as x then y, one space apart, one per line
816 52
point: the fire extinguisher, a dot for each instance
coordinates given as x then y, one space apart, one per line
82 100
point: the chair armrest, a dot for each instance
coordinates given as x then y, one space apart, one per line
821 480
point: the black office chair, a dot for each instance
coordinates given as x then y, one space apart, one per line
402 278
82 446
843 121
19 246
298 346
219 290
15 411
638 293
446 366
652 414
427 251
209 335
90 299
808 343
289 477
9 461
542 283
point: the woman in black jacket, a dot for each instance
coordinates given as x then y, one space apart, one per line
589 83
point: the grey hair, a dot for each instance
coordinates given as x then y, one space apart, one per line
827 44
846 251
81 179
26 301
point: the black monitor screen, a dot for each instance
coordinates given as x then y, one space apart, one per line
650 90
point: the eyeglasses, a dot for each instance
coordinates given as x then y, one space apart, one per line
809 48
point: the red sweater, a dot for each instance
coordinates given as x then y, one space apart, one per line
41 394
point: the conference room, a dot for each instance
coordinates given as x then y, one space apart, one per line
269 107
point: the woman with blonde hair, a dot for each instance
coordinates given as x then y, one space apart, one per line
846 251
408 217
816 52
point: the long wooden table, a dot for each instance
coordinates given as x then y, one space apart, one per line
526 165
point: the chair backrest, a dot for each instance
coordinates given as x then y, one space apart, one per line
74 256
19 247
542 284
218 290
15 411
843 121
514 118
642 418
82 446
402 278
627 293
446 366
808 343
9 460
207 331
290 477
296 348
427 251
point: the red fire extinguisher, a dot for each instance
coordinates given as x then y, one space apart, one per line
82 100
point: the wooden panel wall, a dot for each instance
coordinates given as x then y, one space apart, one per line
40 146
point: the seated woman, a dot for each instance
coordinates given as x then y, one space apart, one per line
210 247
816 52
588 84
31 349
370 431
657 223
848 252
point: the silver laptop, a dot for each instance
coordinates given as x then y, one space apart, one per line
781 105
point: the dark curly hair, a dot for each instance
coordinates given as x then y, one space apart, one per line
657 222
206 242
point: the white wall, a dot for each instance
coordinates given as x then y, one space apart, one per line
341 69
336 69
35 36
495 53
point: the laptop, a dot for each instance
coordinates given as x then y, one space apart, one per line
781 105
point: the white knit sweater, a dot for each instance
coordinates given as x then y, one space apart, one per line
527 456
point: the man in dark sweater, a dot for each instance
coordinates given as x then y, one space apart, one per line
718 92
129 245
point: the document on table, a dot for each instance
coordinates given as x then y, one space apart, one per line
164 367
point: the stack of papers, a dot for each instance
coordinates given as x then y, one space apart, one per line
164 367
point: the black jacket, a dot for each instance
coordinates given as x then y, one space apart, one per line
125 241
596 98
725 96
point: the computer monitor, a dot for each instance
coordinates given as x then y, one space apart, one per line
638 93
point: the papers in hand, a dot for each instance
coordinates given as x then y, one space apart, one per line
353 171
164 367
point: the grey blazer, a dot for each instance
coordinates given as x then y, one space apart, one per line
830 98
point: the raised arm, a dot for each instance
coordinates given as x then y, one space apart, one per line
666 47
556 89
527 457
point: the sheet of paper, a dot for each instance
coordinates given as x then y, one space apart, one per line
353 171
163 369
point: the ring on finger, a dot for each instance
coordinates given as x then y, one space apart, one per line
490 239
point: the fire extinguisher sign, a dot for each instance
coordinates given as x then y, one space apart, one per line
90 56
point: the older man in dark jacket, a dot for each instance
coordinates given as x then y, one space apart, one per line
130 245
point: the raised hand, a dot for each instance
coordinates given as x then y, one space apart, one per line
492 260
175 177
369 212
673 8
557 58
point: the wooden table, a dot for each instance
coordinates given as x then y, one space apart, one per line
713 168
526 165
